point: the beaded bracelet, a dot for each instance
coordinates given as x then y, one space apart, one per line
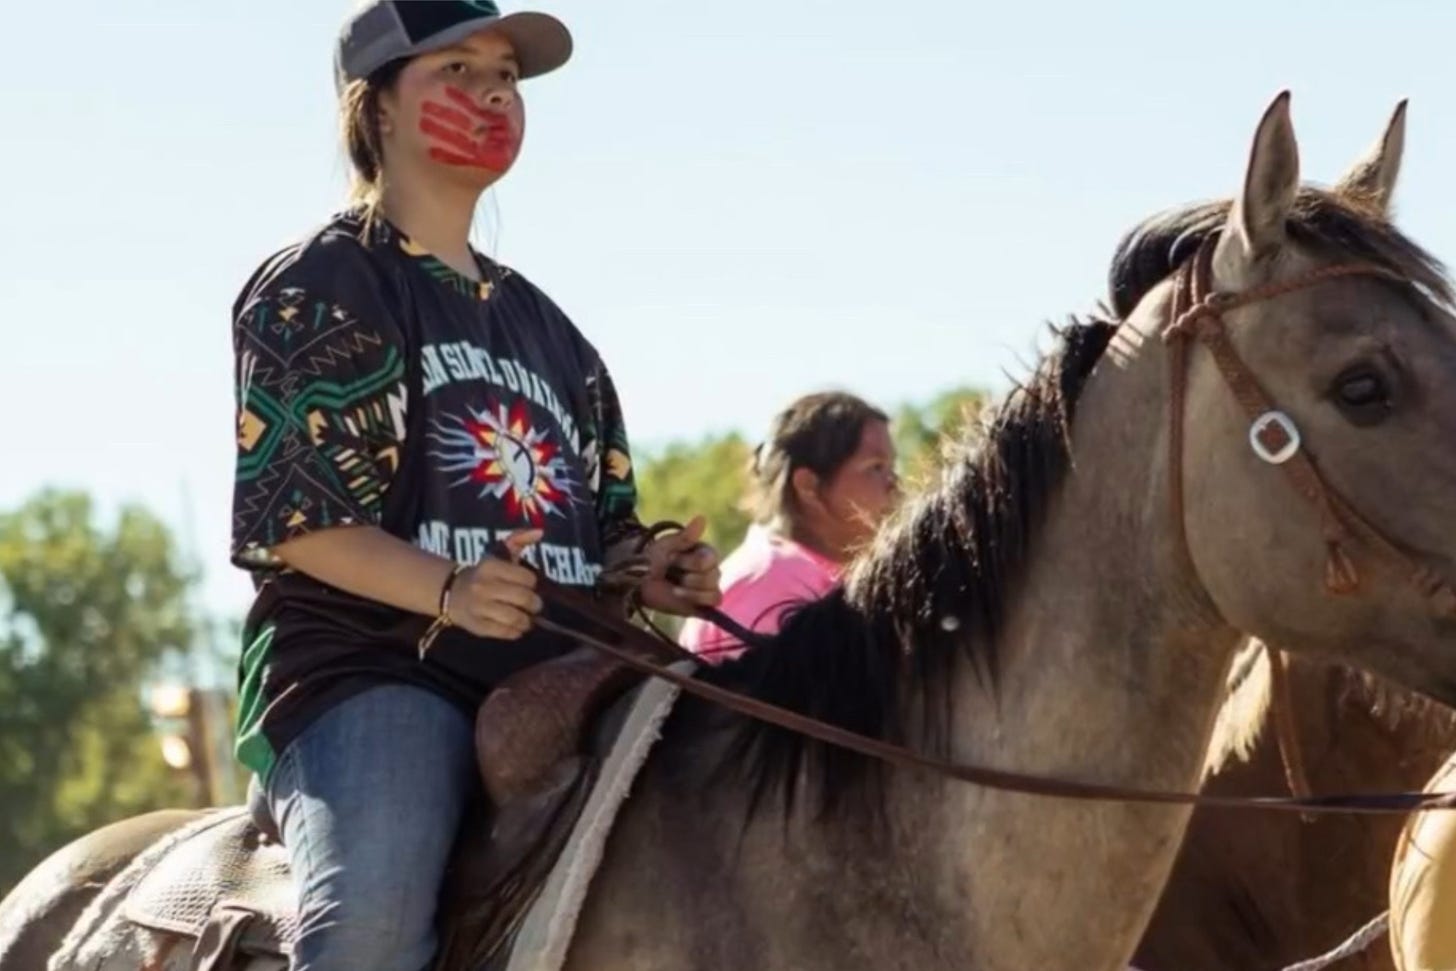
442 619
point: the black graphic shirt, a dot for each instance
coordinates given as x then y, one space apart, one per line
377 386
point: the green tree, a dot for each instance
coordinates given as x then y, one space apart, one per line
86 614
920 431
708 477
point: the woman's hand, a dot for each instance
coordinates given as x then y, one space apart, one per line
497 598
683 572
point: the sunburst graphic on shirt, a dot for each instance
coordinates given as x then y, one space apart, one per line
503 453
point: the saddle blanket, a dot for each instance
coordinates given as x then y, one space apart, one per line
545 934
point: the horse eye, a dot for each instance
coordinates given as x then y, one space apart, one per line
1362 394
1364 389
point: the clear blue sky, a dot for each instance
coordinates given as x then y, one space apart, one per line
736 202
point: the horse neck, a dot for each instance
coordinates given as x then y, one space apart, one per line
1110 667
1112 660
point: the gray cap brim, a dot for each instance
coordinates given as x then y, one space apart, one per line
542 44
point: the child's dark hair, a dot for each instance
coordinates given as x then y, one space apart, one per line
818 432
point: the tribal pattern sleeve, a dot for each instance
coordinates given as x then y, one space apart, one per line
321 398
614 480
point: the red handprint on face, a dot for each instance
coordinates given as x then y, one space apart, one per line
466 134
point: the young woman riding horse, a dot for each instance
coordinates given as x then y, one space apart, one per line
1065 603
413 417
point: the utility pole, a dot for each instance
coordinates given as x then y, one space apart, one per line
214 735
183 724
195 715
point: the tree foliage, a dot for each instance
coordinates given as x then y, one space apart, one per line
921 431
708 477
86 613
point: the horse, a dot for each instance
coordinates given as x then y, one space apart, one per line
1265 891
1268 890
1066 601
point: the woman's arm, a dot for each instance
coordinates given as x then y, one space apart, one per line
496 598
370 563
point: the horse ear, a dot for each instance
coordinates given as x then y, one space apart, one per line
1372 178
1256 223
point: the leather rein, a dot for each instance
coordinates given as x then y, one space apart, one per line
1197 314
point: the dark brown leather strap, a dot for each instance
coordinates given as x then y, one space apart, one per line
1281 710
636 648
650 655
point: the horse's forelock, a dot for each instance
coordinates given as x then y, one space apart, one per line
1353 228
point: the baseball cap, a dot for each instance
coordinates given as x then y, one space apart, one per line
386 30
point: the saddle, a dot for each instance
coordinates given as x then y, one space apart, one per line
226 887
540 737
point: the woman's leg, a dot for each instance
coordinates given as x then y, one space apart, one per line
368 800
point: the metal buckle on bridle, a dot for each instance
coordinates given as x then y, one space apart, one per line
1274 437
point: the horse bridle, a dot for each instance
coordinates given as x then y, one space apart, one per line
1198 312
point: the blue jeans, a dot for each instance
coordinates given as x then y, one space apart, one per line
368 800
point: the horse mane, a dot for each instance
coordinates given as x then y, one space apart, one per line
1244 712
1394 708
1240 726
1319 219
928 590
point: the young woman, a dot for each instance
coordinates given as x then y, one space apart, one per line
414 420
824 478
